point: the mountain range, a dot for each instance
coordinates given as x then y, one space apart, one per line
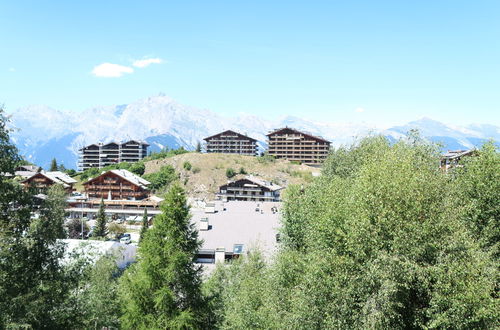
42 133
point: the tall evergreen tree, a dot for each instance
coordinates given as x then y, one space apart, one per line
198 146
53 165
145 225
162 290
100 228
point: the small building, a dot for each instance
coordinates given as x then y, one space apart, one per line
453 157
230 142
101 155
41 181
123 254
293 145
250 189
117 185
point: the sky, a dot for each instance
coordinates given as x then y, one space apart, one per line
379 62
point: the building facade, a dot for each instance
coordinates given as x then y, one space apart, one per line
230 142
452 158
250 189
41 181
291 144
117 185
101 155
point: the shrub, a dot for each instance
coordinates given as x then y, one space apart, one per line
187 166
230 173
162 178
242 171
196 170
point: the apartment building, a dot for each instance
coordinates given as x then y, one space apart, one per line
230 142
250 189
291 144
101 155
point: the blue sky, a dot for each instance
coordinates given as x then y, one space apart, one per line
380 62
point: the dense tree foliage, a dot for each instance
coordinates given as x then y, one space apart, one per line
383 239
33 283
162 290
162 179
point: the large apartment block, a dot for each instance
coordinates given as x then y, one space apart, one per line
230 142
291 144
101 155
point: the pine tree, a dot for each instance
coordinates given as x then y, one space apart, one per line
53 165
100 229
198 147
162 290
145 225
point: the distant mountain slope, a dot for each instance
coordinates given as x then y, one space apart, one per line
43 133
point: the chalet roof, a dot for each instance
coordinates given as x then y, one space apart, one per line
56 177
27 168
126 175
454 154
230 131
279 130
262 183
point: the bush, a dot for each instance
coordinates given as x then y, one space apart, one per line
137 168
266 158
162 178
196 170
242 171
116 229
230 173
187 165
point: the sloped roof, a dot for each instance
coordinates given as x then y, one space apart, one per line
126 175
230 131
299 132
56 177
263 183
452 154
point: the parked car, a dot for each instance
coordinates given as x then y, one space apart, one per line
126 240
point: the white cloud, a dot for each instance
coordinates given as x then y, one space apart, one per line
12 69
110 70
359 110
146 62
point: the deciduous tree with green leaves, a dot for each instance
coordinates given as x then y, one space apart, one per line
33 283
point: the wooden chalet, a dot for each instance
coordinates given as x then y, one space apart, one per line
41 181
230 142
291 144
117 185
250 189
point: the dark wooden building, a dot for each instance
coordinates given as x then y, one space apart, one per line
230 142
117 185
291 144
41 181
250 189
